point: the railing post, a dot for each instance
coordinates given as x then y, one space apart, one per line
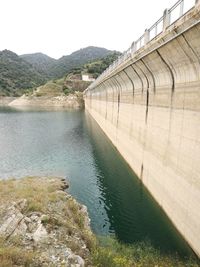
133 47
146 36
181 8
166 19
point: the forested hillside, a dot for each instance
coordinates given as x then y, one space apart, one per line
22 74
17 75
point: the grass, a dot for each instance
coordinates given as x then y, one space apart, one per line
37 191
51 88
112 253
14 255
60 211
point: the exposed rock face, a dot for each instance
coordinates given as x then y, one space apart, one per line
56 236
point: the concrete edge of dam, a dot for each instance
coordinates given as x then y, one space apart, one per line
149 108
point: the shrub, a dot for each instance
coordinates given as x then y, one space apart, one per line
112 253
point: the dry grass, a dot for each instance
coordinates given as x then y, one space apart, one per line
11 254
38 191
62 215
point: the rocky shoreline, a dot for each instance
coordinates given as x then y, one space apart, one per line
72 101
42 225
6 100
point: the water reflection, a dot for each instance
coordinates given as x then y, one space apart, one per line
133 213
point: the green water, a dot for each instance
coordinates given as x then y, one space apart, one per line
71 144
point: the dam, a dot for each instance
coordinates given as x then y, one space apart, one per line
148 103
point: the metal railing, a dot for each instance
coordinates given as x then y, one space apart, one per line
168 18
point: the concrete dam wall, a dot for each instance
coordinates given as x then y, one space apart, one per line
149 107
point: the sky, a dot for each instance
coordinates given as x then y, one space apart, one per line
59 27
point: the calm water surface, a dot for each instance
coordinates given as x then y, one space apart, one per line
71 144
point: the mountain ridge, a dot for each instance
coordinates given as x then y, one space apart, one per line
19 74
56 68
16 75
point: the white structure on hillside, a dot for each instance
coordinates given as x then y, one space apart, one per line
87 78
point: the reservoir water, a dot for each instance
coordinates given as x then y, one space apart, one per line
71 144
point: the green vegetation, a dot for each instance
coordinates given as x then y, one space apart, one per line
97 67
51 88
41 62
52 68
72 81
78 58
21 74
16 75
110 252
67 85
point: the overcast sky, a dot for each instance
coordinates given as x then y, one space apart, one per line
59 27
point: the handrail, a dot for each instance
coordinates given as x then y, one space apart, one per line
165 21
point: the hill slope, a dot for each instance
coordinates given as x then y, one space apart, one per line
78 58
72 81
52 68
17 75
41 62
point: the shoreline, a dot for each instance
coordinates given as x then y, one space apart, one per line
43 225
71 101
41 220
5 100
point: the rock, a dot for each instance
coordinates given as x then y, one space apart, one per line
20 229
11 221
76 261
44 218
65 185
27 220
40 234
86 217
34 218
50 234
21 204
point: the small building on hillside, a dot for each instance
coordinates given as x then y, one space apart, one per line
87 78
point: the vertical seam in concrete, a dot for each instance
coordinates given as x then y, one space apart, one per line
100 95
118 98
171 73
147 98
138 77
141 172
190 47
133 87
153 78
172 92
110 82
106 100
144 76
147 105
119 74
